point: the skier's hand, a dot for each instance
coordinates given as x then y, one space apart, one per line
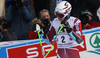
38 28
66 25
68 29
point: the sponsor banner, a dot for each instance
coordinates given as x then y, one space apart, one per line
90 48
92 40
27 49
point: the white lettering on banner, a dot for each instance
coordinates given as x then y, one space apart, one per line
36 53
47 47
29 51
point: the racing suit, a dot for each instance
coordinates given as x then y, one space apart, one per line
67 47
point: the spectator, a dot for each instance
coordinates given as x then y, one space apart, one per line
43 22
65 41
43 28
44 14
87 22
20 15
91 22
5 32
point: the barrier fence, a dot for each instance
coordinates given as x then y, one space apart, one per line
32 48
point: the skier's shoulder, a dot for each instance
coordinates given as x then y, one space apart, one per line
74 19
54 20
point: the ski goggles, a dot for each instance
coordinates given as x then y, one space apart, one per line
59 15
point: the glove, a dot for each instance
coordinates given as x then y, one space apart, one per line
66 25
36 28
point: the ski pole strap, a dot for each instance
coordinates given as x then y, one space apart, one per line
54 41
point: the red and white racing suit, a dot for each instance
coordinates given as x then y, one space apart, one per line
67 48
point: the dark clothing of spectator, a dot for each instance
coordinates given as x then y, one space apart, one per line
20 19
8 36
79 6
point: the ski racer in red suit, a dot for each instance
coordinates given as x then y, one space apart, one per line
67 47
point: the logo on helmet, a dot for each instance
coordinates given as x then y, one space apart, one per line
66 5
68 9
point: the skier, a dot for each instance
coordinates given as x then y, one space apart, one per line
67 47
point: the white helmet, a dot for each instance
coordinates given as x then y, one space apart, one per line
63 9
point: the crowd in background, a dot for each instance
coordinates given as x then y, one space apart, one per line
22 17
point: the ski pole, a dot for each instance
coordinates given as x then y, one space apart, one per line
40 42
54 41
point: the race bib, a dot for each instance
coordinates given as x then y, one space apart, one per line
64 41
